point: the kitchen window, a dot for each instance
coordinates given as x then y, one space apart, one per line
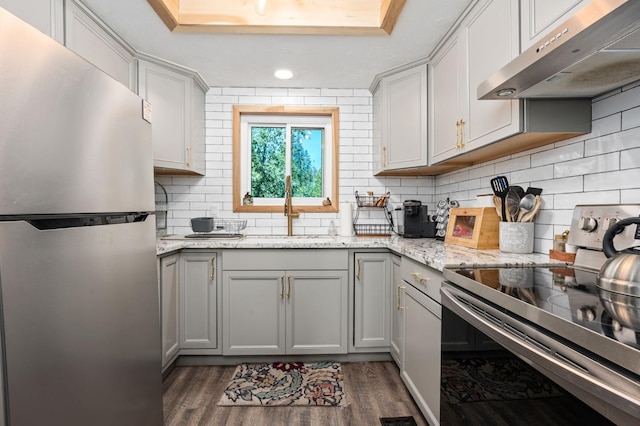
270 143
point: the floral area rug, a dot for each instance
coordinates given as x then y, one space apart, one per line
279 383
470 380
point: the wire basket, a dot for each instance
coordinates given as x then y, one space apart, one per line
372 229
232 226
371 200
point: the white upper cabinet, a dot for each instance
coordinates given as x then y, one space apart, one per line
486 40
45 15
491 38
86 35
447 98
400 120
177 101
539 17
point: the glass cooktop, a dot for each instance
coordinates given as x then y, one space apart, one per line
568 293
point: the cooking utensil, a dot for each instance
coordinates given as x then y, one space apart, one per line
498 204
513 202
526 204
621 270
528 217
534 191
500 186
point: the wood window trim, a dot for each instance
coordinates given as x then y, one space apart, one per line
238 111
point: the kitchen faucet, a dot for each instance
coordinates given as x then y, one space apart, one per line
288 206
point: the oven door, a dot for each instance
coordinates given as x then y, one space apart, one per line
615 395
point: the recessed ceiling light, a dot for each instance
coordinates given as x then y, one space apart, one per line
283 74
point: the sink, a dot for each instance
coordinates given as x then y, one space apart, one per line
214 235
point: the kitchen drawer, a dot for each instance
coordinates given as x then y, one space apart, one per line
284 259
423 278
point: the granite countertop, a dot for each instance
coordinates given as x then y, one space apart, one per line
433 253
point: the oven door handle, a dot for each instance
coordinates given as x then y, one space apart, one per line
572 370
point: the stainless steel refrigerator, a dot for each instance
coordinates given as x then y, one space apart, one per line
80 337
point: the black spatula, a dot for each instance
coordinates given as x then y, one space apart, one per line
500 186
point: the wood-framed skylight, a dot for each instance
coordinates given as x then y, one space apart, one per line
326 17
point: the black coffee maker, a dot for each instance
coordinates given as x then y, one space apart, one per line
417 223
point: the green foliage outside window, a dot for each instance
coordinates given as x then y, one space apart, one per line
268 163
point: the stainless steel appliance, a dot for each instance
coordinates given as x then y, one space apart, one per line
557 320
596 50
79 299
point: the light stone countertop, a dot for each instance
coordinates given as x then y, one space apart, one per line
431 252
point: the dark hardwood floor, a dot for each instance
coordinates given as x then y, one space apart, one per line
372 389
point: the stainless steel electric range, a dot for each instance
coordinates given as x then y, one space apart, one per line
557 320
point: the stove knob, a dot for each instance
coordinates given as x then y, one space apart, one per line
588 224
608 223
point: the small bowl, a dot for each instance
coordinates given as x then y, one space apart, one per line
202 224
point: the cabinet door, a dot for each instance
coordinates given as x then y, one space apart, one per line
169 95
317 304
397 309
372 321
539 17
447 93
404 124
170 295
421 365
198 297
494 24
45 15
88 37
254 312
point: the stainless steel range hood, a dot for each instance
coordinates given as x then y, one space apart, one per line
595 51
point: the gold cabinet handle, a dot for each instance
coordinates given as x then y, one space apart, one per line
289 287
282 287
188 156
420 278
212 276
462 133
400 290
384 156
458 134
358 269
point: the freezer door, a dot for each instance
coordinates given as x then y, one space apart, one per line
72 139
81 325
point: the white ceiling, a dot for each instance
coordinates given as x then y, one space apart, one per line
229 60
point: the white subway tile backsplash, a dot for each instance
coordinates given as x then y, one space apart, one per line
583 166
630 196
630 158
622 101
569 201
631 118
564 153
528 175
623 179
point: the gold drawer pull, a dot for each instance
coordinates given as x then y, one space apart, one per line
400 289
420 278
282 287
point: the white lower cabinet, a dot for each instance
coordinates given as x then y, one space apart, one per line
372 321
169 308
397 311
275 311
421 362
198 301
421 342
